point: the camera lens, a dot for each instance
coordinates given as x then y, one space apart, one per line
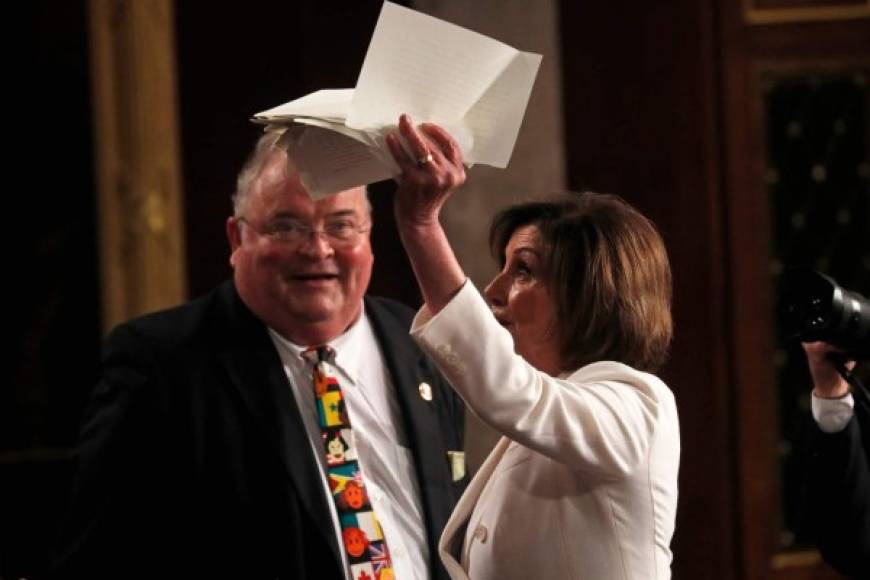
814 307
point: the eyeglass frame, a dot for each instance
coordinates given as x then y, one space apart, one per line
305 233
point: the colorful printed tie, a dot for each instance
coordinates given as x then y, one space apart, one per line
363 538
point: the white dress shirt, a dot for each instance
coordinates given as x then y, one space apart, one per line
382 446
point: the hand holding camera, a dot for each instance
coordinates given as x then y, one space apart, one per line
827 380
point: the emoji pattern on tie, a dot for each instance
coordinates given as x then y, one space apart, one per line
362 535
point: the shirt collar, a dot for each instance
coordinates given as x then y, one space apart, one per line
347 351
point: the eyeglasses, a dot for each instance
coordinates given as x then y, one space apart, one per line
344 231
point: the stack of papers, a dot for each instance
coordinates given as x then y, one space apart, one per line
475 87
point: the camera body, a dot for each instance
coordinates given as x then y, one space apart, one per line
814 307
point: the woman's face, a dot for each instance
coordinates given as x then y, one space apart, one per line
521 301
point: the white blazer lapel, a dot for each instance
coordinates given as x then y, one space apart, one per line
464 508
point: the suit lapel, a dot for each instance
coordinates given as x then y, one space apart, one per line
256 373
421 424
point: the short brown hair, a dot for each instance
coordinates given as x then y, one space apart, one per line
609 277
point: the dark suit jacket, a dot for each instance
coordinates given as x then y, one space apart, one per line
194 461
839 494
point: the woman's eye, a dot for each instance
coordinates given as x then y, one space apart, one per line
523 270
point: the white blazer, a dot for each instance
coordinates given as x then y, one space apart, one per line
583 484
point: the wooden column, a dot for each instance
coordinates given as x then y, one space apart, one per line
137 157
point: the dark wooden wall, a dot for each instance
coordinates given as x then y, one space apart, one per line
754 58
642 118
664 105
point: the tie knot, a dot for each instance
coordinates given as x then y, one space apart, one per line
316 354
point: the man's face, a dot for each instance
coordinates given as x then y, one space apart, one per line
309 291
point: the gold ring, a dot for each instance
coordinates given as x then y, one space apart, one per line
425 159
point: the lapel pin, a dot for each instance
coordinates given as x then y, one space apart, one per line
457 464
425 391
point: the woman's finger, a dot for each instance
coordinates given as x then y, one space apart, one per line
399 154
447 145
416 142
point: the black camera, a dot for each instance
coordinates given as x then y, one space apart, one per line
814 307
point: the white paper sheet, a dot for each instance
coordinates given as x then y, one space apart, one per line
324 104
475 87
441 73
329 162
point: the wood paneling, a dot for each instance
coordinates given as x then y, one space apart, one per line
779 11
748 53
137 156
642 115
664 106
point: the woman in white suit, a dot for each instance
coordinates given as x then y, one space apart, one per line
583 483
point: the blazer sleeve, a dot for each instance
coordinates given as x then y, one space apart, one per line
838 494
108 527
601 419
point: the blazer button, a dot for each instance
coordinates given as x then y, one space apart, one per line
480 533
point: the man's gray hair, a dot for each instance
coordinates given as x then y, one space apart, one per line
268 144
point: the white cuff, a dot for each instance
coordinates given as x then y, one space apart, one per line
832 415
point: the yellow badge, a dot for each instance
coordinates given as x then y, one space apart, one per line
457 464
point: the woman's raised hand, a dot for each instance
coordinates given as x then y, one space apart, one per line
430 173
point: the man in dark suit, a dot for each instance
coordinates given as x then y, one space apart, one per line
201 454
838 487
